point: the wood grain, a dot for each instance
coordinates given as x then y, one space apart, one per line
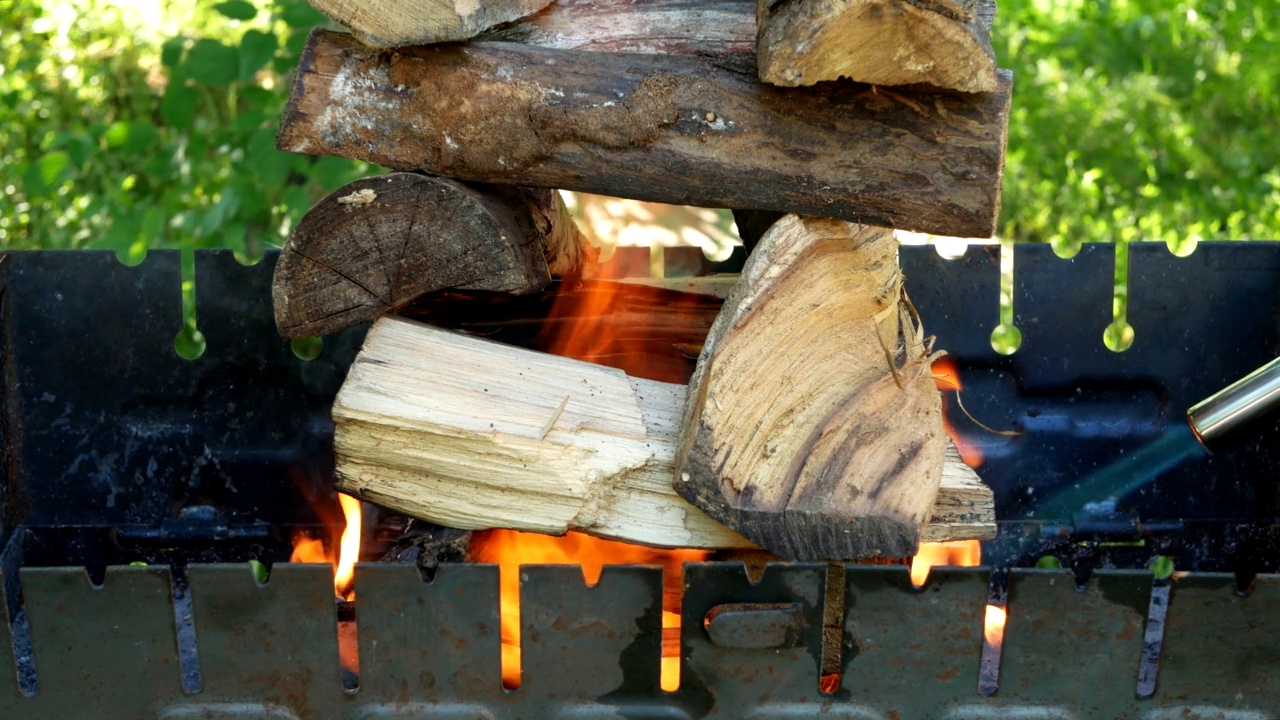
810 427
393 23
940 43
450 428
680 130
377 243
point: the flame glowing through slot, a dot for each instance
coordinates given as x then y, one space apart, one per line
341 552
511 549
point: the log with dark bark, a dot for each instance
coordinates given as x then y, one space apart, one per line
811 427
680 130
940 43
475 434
392 23
379 242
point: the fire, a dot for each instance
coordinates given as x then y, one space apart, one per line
993 625
947 379
307 549
961 553
510 549
344 574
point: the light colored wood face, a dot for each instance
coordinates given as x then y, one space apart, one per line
450 428
813 426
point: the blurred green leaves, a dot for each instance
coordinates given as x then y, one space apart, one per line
151 123
1141 120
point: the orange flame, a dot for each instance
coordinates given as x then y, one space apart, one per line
993 625
307 549
511 549
959 553
348 549
947 379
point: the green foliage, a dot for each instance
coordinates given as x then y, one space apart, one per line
132 124
1141 120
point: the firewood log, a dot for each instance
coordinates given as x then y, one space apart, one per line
475 434
675 129
379 242
942 43
709 28
392 23
810 426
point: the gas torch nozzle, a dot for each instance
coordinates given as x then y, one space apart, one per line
1236 404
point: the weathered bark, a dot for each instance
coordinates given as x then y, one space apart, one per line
475 434
393 23
379 242
941 43
811 427
664 27
679 130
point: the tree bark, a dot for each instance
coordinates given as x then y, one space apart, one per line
710 28
811 427
939 43
475 434
679 130
393 23
379 242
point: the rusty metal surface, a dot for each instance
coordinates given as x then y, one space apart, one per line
431 650
265 650
1072 649
757 626
109 651
744 682
1208 619
912 652
428 649
591 652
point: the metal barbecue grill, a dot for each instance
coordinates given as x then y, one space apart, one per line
118 452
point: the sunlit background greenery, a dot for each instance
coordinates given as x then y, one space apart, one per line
130 124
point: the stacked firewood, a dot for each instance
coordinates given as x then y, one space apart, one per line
810 425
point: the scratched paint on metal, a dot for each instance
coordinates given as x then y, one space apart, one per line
1207 618
599 646
428 649
752 682
269 647
1069 648
912 651
110 648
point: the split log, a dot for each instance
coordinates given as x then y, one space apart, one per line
712 28
941 43
811 427
475 434
679 130
393 23
379 242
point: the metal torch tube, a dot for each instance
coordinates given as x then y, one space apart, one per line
1237 403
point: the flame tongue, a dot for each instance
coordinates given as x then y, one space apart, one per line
313 550
349 549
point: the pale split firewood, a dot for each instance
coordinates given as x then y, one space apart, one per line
810 427
675 129
393 23
379 242
474 434
941 43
